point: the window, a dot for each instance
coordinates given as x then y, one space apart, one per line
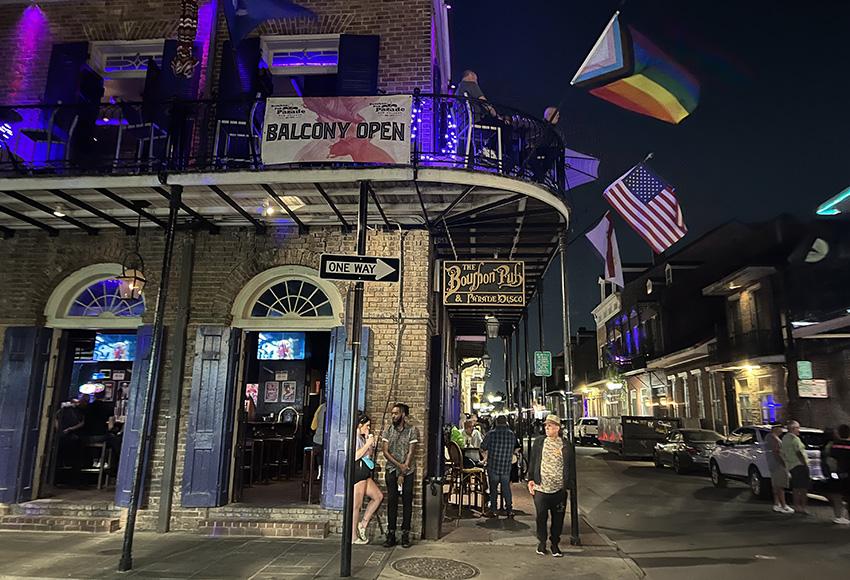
313 54
292 298
700 395
686 393
103 299
125 59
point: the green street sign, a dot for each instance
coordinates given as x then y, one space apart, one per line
542 363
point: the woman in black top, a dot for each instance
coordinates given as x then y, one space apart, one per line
364 484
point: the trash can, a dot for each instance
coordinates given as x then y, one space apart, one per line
432 500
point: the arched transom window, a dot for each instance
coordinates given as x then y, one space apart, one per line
292 297
104 299
288 298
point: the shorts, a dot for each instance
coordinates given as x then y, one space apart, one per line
779 477
800 478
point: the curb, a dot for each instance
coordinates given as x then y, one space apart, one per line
613 545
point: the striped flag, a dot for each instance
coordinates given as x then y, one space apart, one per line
604 241
650 207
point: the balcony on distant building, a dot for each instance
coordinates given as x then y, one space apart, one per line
746 346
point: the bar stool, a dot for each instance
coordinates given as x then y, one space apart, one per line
103 464
308 479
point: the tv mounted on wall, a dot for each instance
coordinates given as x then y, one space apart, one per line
114 347
281 346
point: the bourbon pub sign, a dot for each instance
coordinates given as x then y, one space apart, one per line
484 283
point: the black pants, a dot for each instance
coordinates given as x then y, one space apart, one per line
406 501
546 503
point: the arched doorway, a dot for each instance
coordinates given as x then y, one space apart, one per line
101 353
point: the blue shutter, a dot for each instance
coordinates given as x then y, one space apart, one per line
357 70
336 415
22 371
209 434
139 386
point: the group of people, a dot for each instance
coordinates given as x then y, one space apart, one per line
540 150
789 465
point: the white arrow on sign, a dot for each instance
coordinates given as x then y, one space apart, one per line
382 270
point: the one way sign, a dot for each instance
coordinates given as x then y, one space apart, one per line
363 268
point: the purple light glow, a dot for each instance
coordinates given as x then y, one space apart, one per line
32 35
206 16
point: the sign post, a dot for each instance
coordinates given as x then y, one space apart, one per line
542 363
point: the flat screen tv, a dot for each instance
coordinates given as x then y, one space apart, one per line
112 347
281 346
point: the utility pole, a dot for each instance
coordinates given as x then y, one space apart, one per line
568 391
356 332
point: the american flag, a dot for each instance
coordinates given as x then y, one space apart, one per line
649 206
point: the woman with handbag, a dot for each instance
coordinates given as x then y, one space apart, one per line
364 484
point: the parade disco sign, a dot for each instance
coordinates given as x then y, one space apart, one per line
340 129
484 283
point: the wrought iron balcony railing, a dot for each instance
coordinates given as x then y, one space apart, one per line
204 136
745 345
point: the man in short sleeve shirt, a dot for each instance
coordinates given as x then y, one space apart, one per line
399 446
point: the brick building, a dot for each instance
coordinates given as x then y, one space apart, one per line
107 154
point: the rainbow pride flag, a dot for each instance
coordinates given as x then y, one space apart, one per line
627 69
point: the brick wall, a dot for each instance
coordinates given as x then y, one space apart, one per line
27 33
33 264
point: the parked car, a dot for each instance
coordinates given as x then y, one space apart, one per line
743 456
635 436
587 430
686 449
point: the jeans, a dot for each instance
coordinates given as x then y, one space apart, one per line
503 479
545 503
406 501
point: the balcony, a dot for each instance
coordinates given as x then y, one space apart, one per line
612 357
213 136
748 345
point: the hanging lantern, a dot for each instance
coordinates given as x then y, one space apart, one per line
184 62
492 326
131 282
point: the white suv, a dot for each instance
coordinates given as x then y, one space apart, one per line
743 456
587 430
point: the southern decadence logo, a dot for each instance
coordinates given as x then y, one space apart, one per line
384 130
484 282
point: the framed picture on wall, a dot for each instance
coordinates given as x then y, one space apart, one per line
118 375
253 390
108 391
288 392
272 392
281 375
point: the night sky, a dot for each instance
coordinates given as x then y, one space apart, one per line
769 136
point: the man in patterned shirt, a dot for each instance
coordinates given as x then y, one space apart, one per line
499 446
548 481
400 441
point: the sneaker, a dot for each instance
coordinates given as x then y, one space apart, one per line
541 549
788 509
405 540
841 521
556 551
778 508
390 542
489 514
360 541
361 533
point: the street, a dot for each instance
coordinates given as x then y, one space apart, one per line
676 526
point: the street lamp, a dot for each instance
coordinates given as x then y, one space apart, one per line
492 326
486 361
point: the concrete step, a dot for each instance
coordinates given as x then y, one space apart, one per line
49 507
280 529
53 523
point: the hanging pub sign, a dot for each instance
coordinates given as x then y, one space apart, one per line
340 129
484 283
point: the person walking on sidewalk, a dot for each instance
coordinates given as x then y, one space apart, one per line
400 441
499 446
794 454
778 470
548 481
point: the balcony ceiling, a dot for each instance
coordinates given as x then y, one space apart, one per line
496 218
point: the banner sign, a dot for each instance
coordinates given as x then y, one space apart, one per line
484 283
339 129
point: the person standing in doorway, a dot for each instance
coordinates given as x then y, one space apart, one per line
499 446
548 481
399 440
778 470
318 427
794 454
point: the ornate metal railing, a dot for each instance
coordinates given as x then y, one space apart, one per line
191 136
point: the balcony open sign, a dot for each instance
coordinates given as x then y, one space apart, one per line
542 363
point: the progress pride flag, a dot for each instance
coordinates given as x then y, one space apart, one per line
341 129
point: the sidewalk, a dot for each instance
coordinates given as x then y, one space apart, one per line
486 548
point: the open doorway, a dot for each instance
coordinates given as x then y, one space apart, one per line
281 389
88 413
